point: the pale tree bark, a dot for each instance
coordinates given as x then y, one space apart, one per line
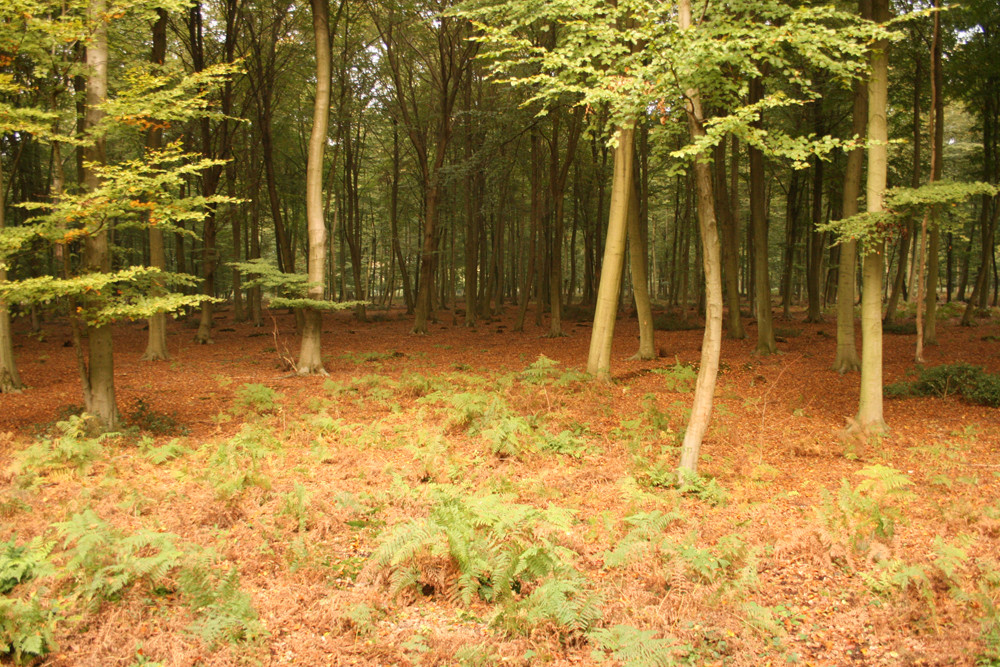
10 378
711 346
602 335
99 376
310 350
640 277
870 418
758 221
846 358
156 342
815 244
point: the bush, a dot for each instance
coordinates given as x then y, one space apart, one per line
973 383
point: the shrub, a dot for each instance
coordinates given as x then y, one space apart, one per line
973 383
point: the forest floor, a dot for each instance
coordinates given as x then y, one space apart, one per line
469 497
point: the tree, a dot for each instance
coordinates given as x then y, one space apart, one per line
310 352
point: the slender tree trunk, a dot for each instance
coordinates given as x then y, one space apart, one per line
640 277
846 358
602 335
10 379
815 265
311 351
711 346
394 221
929 329
758 221
791 239
870 416
156 343
99 380
729 228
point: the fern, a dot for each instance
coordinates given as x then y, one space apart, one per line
563 603
633 647
869 510
72 448
23 563
494 546
225 613
163 453
27 629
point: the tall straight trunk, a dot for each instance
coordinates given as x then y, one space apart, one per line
815 264
535 221
310 350
929 329
987 214
605 313
472 213
394 221
99 377
558 174
791 239
640 277
729 228
870 415
711 346
10 378
758 221
846 358
156 342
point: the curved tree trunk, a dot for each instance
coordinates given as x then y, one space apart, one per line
711 346
311 351
602 335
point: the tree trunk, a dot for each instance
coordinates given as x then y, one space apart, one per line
762 278
10 379
99 379
729 228
156 343
602 335
640 277
929 329
711 346
846 358
870 416
311 350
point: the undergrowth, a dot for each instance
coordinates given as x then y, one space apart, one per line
971 382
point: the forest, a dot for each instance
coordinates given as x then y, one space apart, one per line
480 332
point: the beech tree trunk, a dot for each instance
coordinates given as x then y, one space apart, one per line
758 221
602 335
711 346
846 358
640 277
156 342
10 379
99 372
870 418
311 350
